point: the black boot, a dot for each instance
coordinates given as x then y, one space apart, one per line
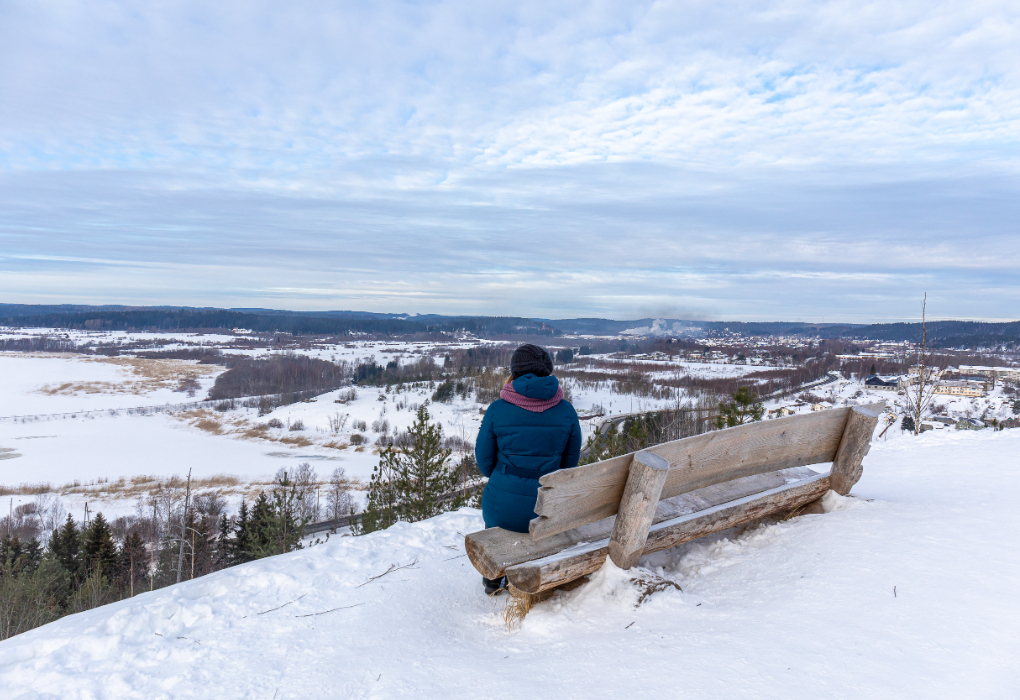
493 586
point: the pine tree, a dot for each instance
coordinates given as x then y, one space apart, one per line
603 445
98 548
411 484
744 408
381 507
237 551
221 555
256 543
65 546
132 563
637 435
907 423
19 556
279 524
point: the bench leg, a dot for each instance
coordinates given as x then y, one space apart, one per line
637 508
855 443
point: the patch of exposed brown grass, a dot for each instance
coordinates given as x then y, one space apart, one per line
210 426
256 431
145 485
161 371
146 375
519 604
26 489
336 445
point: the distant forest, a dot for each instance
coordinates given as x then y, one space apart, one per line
154 318
946 334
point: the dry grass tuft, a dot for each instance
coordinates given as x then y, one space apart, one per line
26 489
519 604
147 375
256 431
143 485
210 425
336 445
650 584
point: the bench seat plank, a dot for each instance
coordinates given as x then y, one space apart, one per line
587 557
493 550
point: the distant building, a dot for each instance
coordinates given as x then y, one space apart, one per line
944 420
969 424
1012 373
933 371
882 383
960 388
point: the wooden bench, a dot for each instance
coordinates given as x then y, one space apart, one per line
673 493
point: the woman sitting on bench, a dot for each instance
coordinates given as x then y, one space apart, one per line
529 431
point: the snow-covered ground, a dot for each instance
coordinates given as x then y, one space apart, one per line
907 590
39 383
107 447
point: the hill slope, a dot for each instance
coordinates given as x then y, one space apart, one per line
801 609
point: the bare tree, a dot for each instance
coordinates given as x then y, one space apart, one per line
305 483
337 422
918 394
184 534
339 503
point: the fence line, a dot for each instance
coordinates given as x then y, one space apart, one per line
141 410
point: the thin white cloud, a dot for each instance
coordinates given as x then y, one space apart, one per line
728 158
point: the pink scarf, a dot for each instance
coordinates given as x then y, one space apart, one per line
534 405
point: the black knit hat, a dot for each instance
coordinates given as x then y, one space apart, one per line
530 359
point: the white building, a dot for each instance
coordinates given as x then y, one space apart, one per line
1012 373
960 388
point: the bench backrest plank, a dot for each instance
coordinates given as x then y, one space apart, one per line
570 498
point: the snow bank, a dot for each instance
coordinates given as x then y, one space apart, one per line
905 591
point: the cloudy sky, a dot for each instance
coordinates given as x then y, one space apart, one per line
828 161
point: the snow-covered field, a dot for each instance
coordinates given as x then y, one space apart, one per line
65 418
907 590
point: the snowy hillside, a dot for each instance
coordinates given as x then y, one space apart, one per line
906 591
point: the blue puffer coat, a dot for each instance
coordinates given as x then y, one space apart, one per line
516 446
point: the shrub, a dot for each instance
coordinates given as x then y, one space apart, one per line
347 395
297 425
275 423
444 392
744 408
357 438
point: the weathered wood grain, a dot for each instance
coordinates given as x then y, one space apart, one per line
582 559
492 551
855 443
572 497
637 508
